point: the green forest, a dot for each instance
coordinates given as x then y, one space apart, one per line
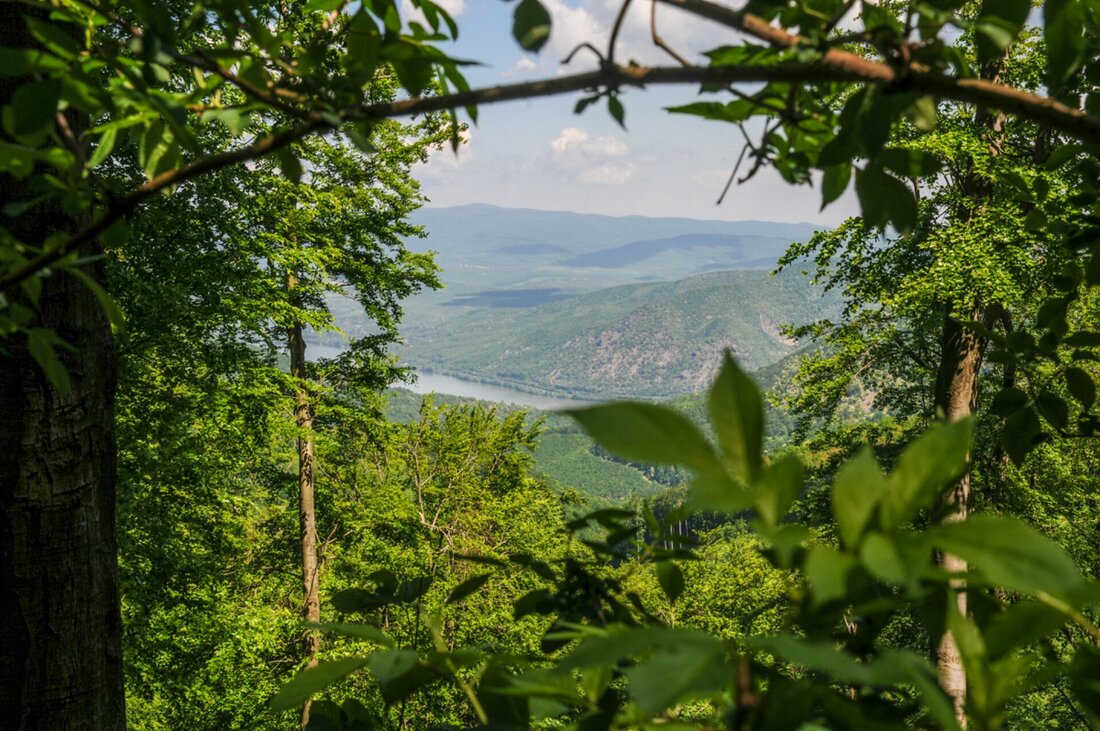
870 501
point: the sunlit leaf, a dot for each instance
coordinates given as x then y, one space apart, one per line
307 682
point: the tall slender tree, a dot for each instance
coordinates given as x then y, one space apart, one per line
922 308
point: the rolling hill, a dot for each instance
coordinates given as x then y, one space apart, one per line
640 340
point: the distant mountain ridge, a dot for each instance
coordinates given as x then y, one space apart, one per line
484 227
596 306
764 252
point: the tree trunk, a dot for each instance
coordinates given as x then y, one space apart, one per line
957 390
303 418
61 658
957 396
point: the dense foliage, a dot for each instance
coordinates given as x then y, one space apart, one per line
781 586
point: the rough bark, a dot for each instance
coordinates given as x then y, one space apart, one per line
61 658
307 516
957 396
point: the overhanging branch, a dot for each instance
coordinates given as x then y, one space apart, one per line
834 66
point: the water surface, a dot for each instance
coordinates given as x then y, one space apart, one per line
451 385
454 386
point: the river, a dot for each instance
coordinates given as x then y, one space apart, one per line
454 386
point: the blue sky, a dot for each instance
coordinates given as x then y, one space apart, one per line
538 154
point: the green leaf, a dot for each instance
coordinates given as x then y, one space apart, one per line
615 107
399 673
1008 401
1018 437
18 208
467 587
533 602
584 102
925 469
993 36
110 308
901 206
104 148
910 163
236 120
922 113
158 151
311 680
1081 386
357 630
1063 30
717 491
357 600
647 433
834 182
531 25
880 557
1009 554
875 117
737 414
1053 408
971 646
827 572
678 674
289 164
53 37
818 656
671 579
1020 625
33 107
734 111
1085 679
857 489
42 343
25 61
778 486
871 190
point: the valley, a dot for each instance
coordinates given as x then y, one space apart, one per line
543 311
589 307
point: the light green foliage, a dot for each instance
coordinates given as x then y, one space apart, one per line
205 486
565 457
990 247
827 660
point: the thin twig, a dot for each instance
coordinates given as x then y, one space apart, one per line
733 175
660 42
615 31
588 46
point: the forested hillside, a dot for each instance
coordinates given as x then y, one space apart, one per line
505 258
640 340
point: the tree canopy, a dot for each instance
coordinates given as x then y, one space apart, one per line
971 138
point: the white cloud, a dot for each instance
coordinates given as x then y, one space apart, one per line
410 13
588 159
572 26
454 7
521 66
608 174
573 140
590 22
